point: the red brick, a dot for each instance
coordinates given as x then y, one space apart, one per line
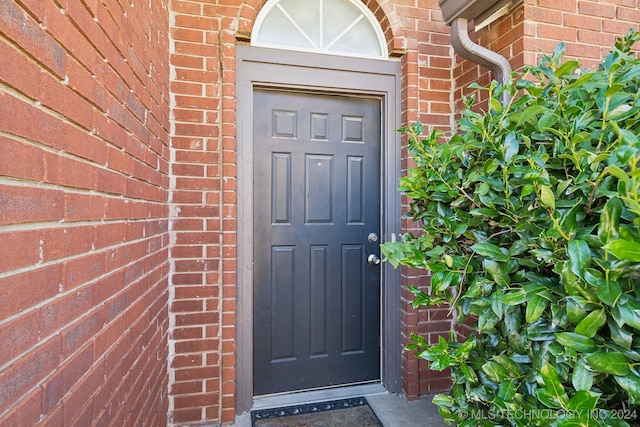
81 207
64 310
25 204
54 418
596 9
196 374
21 377
129 113
543 15
63 242
19 249
18 336
71 173
82 270
19 26
17 71
629 14
81 393
617 27
186 415
21 160
186 252
108 336
65 378
186 361
26 413
193 400
196 346
557 33
186 388
81 332
583 22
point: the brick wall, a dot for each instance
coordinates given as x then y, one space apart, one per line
84 166
203 203
588 28
533 28
428 98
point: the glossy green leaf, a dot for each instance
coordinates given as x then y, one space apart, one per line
609 363
620 335
576 307
535 307
617 172
547 198
631 384
487 321
569 221
512 367
626 313
530 113
583 400
547 120
512 321
495 105
496 272
540 333
490 251
576 341
590 325
568 68
582 378
547 398
442 400
508 390
496 304
465 349
610 220
609 292
495 371
624 249
469 374
552 380
579 256
573 419
514 297
511 146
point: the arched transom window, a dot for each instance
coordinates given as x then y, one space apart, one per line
339 27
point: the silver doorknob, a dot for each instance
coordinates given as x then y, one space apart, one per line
373 259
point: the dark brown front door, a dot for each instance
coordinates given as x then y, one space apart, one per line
316 312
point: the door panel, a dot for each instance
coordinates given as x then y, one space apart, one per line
316 199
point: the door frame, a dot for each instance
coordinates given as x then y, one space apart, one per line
309 72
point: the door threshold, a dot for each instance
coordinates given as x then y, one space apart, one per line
313 396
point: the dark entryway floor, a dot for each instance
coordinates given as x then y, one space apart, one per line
393 410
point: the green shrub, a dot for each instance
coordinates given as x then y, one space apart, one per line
531 217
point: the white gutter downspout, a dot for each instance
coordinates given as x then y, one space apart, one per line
465 47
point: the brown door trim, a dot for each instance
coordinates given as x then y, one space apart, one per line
260 67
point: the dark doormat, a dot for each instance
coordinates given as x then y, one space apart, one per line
354 412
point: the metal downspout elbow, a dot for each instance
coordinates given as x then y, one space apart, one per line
465 47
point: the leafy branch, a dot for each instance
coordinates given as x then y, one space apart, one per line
531 229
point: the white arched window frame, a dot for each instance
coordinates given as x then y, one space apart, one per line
337 27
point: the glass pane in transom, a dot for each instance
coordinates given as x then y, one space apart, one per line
327 26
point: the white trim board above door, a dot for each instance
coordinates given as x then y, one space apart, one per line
313 73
